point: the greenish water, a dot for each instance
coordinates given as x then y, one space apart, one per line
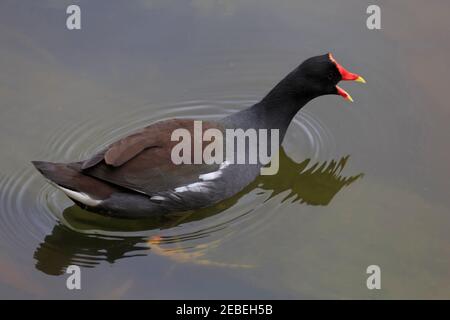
359 184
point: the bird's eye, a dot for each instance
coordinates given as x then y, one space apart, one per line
330 76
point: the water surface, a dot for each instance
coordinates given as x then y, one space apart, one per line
359 184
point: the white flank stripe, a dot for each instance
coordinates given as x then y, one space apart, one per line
158 198
215 174
193 187
204 186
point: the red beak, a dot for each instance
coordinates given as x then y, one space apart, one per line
347 76
344 94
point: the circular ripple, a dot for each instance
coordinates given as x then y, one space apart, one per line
35 211
309 138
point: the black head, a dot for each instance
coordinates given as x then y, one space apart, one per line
319 76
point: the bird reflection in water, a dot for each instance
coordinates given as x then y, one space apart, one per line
315 184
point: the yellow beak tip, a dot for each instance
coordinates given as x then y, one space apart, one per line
349 98
360 79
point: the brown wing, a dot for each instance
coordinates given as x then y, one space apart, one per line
142 160
128 147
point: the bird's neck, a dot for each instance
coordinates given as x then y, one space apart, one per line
279 108
275 111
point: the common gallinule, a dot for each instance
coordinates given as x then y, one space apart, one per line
136 177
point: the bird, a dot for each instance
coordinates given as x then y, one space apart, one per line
135 176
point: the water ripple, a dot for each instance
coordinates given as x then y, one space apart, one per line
32 209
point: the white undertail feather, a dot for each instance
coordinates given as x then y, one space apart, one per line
81 197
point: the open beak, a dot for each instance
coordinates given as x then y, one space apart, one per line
344 94
346 76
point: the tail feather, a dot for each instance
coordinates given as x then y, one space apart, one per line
67 176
